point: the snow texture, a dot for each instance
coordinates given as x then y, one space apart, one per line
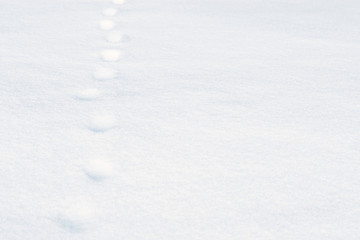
115 37
111 55
181 120
76 216
102 123
103 73
107 24
109 12
119 1
99 169
88 94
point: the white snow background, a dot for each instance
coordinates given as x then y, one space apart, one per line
179 120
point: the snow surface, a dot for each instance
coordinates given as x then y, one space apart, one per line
109 12
99 169
104 73
111 55
115 37
88 94
107 24
218 119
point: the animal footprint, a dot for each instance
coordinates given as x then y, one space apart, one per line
102 123
98 169
107 24
119 2
88 94
76 217
109 12
111 55
115 37
103 73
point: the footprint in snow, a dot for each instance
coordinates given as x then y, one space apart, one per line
107 24
109 12
103 73
119 1
115 37
76 217
98 169
88 94
102 123
111 55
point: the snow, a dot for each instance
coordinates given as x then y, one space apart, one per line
115 37
102 122
88 94
119 1
111 55
107 24
99 169
109 12
103 73
191 119
76 216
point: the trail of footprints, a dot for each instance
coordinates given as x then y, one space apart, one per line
75 217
